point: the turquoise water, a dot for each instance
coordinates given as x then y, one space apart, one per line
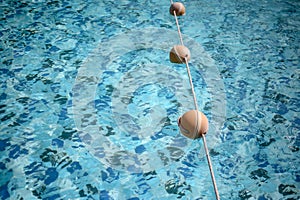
90 101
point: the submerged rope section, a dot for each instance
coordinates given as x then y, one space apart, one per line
178 9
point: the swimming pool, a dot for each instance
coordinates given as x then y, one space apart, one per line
90 101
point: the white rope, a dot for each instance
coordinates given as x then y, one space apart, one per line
211 168
178 28
192 86
196 108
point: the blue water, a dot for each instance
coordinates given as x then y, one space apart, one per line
89 100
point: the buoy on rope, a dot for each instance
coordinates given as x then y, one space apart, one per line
178 8
193 124
178 53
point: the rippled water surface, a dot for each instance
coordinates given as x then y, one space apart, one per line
89 100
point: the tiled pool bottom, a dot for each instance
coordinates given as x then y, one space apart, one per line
46 47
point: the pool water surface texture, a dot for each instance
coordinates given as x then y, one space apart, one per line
89 99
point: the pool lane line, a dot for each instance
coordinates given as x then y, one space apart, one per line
196 107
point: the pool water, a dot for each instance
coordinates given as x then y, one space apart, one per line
89 100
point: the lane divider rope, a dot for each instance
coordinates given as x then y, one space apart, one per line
196 108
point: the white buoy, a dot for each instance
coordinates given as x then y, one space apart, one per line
193 124
178 8
179 53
